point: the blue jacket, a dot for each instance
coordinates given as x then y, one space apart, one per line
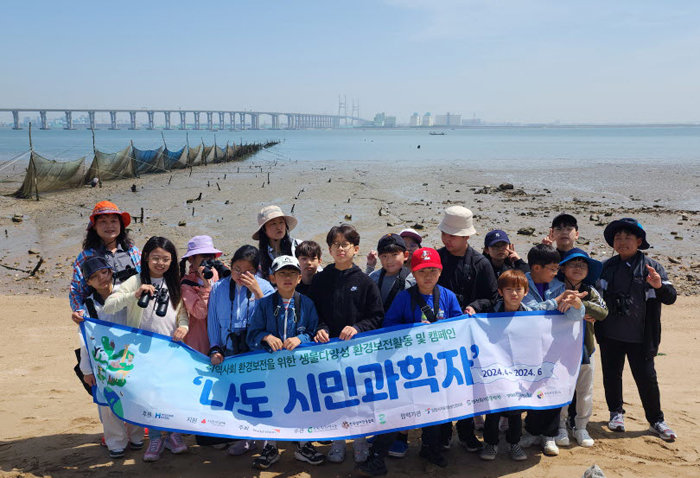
224 317
535 301
284 324
400 311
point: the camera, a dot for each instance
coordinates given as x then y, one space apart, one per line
124 274
210 264
619 304
162 298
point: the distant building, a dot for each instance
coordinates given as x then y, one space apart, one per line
415 120
379 119
471 122
448 120
427 120
390 121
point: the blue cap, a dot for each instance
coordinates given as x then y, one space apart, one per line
594 267
494 237
92 265
625 223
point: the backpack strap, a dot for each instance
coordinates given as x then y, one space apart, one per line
90 305
190 282
398 286
417 299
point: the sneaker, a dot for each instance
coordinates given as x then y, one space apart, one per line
527 440
617 422
517 453
503 424
489 452
268 456
374 466
583 438
135 445
472 444
479 423
664 432
175 443
434 457
309 454
562 438
360 449
155 449
241 447
116 453
337 452
549 446
398 449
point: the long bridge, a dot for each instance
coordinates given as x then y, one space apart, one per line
293 120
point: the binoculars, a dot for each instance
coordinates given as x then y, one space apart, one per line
162 298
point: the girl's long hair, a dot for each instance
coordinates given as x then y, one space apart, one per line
93 241
264 242
171 276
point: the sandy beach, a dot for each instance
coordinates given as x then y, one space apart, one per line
50 427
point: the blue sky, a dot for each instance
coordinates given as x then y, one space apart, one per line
507 60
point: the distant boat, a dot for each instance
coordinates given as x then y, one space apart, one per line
437 133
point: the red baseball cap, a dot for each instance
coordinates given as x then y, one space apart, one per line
425 257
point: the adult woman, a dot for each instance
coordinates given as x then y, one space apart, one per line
106 237
273 236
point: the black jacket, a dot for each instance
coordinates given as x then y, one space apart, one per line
666 294
346 297
470 277
520 265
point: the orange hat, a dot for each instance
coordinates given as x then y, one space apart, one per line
106 207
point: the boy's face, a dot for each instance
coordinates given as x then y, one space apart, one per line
342 251
286 280
309 265
498 251
455 245
427 278
626 244
392 262
575 270
100 280
512 297
565 236
544 274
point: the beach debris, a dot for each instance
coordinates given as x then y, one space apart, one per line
292 208
6 233
329 180
673 260
37 266
299 193
219 187
504 187
348 200
348 217
208 184
695 265
594 218
425 184
593 472
389 224
32 252
674 233
263 185
133 188
383 211
418 227
684 217
526 231
268 177
171 178
678 238
227 201
182 223
198 198
17 218
483 190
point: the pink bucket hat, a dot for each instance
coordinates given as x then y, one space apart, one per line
201 245
269 213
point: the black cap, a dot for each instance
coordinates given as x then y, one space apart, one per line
92 265
565 219
389 240
625 223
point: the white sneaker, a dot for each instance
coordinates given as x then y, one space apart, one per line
337 452
583 438
360 449
527 440
549 446
562 438
663 430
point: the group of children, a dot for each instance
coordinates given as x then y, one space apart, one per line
278 296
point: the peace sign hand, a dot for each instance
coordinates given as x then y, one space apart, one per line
653 279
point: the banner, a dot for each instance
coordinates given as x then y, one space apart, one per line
389 379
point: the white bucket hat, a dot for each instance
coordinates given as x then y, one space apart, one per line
269 213
458 221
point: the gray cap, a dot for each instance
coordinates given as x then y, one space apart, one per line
285 261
